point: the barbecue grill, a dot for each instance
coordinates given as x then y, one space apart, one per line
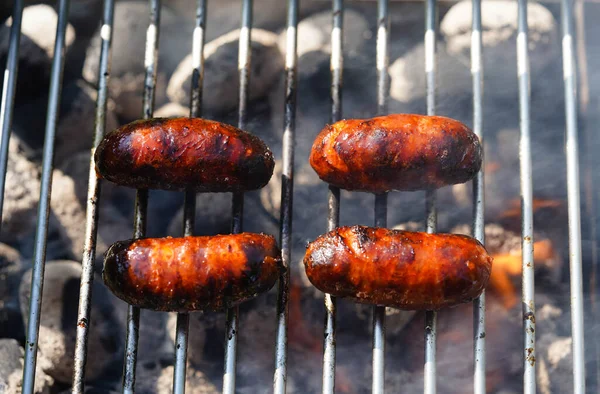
569 11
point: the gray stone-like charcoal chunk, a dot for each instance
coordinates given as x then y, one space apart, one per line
76 121
126 84
21 194
11 370
69 204
499 35
11 270
221 81
59 320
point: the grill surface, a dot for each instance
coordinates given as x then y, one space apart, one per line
380 209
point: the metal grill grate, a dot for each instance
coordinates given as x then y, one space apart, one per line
380 209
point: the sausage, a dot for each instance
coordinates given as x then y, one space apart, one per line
192 273
184 153
400 269
396 152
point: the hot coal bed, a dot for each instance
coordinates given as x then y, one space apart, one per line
522 76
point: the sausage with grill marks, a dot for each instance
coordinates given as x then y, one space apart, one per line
184 153
396 152
400 269
192 273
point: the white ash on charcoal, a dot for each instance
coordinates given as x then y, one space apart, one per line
315 31
172 110
499 37
76 121
58 322
39 23
407 84
196 382
11 270
11 370
21 193
126 84
153 378
37 45
93 390
68 204
221 81
224 16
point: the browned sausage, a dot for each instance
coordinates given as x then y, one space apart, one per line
192 273
180 153
401 269
396 152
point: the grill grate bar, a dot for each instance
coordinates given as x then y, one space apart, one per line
8 93
572 151
287 189
430 372
41 233
529 383
379 311
189 205
479 349
336 66
93 199
141 203
383 59
238 198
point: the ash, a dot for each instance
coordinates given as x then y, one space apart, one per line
405 330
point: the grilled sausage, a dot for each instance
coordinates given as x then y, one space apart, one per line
396 152
192 273
400 269
181 153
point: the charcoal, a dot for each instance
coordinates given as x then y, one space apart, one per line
76 121
499 35
11 270
22 191
68 204
11 370
221 81
58 322
126 84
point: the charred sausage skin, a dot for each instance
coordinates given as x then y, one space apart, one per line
396 152
192 273
400 269
182 153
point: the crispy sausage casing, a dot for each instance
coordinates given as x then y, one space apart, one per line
400 269
180 153
396 152
192 273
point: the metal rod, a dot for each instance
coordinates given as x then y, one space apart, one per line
141 205
589 184
479 352
379 311
572 150
8 93
189 205
383 59
181 343
336 67
231 320
330 304
529 383
430 371
244 56
287 189
93 200
41 232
